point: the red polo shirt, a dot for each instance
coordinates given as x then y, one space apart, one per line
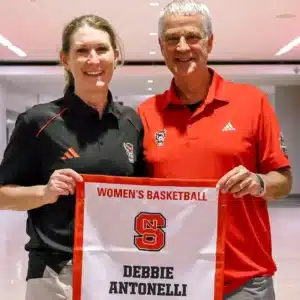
236 125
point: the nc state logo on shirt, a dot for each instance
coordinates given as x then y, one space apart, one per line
282 144
160 137
129 151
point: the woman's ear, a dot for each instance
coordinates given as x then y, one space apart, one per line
64 59
117 57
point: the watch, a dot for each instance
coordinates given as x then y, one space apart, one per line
262 190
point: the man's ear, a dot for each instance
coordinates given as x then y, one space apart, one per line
161 45
210 43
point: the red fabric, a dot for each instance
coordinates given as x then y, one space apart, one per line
203 145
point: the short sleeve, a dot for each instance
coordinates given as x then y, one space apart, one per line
20 161
272 152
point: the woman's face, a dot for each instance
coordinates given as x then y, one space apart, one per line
91 59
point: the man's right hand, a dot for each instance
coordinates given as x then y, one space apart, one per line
61 183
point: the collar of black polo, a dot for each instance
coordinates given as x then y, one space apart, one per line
79 107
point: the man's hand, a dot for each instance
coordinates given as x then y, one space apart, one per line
240 182
61 183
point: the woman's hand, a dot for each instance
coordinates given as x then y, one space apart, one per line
61 183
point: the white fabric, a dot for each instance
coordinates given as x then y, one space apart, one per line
109 237
52 286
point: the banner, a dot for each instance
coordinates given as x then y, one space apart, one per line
139 238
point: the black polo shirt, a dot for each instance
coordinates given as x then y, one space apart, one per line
67 133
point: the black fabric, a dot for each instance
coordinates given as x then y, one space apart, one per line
37 147
194 106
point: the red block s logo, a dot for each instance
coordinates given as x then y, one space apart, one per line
149 227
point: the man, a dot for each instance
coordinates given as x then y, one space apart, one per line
204 127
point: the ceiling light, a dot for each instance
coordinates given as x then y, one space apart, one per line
149 89
150 81
153 33
153 4
17 50
289 46
152 52
6 43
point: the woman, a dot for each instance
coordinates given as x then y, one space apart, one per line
83 132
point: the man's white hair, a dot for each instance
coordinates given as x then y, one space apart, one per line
186 8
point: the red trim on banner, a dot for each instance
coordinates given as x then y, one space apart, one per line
149 181
79 223
78 241
221 230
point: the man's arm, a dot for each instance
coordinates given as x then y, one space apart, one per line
278 184
240 182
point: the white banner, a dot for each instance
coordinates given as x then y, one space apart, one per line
138 238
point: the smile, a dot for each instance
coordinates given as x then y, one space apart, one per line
94 73
183 59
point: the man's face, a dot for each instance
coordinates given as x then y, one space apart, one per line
184 44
